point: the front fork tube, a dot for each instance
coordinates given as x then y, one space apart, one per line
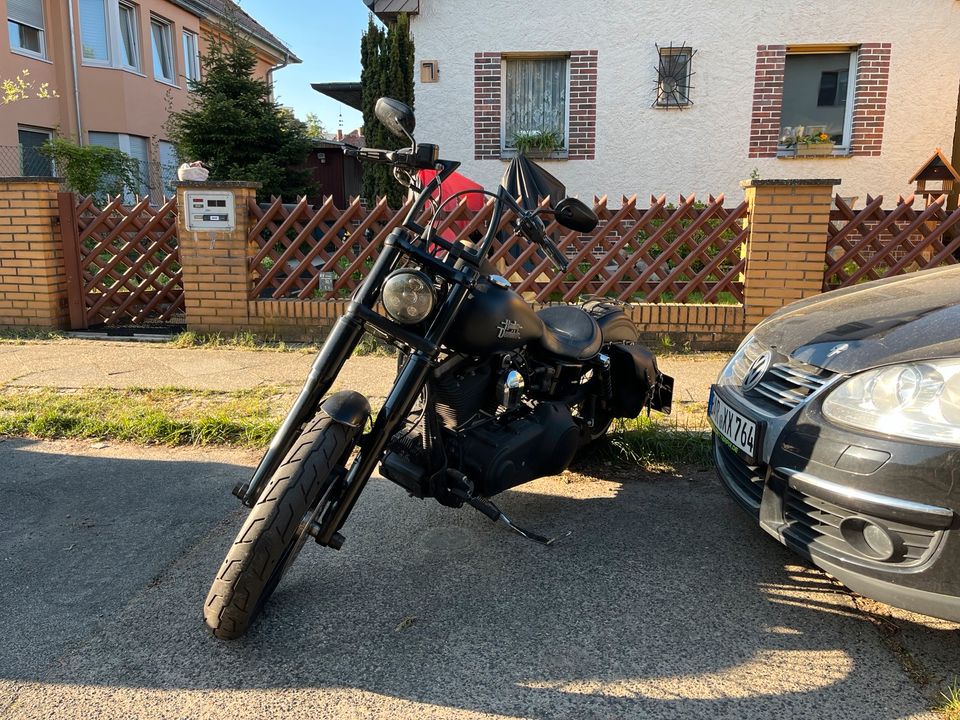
339 346
394 411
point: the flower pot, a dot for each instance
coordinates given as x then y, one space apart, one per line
814 149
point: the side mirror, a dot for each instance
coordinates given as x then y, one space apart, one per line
397 117
573 214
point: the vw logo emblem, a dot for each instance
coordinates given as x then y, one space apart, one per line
757 370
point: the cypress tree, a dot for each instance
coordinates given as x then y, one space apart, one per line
386 58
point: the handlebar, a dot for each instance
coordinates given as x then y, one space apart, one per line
420 157
425 157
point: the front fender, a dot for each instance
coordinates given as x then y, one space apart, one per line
347 407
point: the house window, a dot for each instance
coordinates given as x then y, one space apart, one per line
673 77
110 33
94 31
34 163
160 34
136 147
818 96
191 57
535 99
129 36
25 25
168 167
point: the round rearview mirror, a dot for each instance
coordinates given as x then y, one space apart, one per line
397 117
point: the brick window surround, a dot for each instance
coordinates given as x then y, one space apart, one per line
582 102
869 105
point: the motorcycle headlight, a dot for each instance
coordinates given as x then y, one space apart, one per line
918 401
408 296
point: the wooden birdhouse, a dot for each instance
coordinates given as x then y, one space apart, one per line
935 178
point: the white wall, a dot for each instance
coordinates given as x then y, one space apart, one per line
701 149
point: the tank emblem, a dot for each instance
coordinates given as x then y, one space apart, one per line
509 329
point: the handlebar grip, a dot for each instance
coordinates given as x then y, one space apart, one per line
532 228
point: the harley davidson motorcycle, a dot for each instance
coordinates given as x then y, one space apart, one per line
489 394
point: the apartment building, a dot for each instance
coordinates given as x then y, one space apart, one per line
118 68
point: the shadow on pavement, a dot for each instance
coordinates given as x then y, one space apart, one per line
660 599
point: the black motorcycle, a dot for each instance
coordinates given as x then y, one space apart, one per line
489 394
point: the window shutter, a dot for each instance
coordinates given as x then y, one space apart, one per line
26 12
93 30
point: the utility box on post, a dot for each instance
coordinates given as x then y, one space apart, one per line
210 210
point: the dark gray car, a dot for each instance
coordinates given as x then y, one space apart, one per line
837 425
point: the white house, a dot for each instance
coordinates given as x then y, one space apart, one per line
689 96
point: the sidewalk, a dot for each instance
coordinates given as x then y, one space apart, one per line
80 363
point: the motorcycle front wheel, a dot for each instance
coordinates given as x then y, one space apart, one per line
275 529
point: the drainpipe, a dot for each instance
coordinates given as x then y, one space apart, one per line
73 64
272 70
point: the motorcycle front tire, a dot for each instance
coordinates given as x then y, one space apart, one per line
273 532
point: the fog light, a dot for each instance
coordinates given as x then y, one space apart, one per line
870 538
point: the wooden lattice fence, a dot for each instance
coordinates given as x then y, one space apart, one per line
689 252
123 264
874 243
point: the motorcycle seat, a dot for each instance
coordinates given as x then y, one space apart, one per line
569 332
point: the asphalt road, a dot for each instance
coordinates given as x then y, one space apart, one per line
659 600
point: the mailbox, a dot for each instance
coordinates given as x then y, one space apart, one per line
210 210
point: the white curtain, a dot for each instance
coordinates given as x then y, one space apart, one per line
535 96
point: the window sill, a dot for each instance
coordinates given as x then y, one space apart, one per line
30 54
510 154
791 155
105 66
164 81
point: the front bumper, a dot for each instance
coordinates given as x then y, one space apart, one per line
815 487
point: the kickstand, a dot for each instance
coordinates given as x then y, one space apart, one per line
496 514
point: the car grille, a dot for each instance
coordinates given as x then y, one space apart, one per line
787 384
745 480
815 524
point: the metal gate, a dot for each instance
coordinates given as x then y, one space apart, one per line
123 263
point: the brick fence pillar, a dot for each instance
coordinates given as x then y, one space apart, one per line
216 276
786 247
33 282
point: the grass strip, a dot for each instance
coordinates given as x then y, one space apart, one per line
164 416
249 418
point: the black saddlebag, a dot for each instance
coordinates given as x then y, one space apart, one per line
614 324
636 381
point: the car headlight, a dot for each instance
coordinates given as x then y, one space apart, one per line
408 296
736 368
918 401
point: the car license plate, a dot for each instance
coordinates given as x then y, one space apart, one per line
734 427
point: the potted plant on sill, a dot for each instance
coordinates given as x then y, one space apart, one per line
539 144
814 144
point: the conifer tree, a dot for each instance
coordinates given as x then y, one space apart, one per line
235 128
386 58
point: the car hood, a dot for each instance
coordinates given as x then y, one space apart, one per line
910 317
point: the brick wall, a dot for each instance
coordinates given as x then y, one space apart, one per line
582 133
767 100
870 105
486 106
582 101
787 221
33 288
216 275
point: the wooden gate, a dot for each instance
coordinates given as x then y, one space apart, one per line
123 264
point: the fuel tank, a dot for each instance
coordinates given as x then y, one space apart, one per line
493 319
